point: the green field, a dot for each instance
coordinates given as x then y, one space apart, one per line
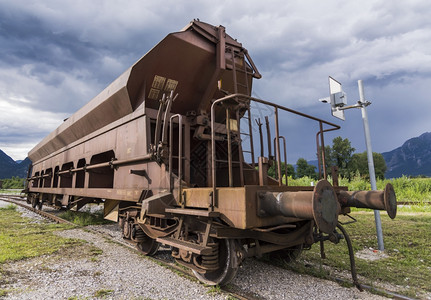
416 190
407 267
407 240
21 238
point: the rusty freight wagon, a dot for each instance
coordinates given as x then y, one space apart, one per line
169 149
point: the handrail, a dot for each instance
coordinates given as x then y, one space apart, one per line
277 148
321 163
285 159
242 96
180 152
112 163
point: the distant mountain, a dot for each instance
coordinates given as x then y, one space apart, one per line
411 159
9 167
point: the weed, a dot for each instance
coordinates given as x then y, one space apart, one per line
77 298
95 251
46 268
102 293
214 290
3 292
84 218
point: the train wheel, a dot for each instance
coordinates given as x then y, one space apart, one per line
127 230
34 202
227 269
39 205
148 246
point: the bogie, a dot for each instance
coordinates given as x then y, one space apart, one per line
227 261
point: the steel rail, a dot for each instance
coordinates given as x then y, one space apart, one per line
42 213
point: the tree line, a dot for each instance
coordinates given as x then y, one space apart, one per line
340 154
12 183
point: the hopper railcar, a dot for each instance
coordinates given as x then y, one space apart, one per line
164 149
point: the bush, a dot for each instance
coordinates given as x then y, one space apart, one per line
13 183
407 189
411 189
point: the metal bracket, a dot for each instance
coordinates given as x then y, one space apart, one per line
142 173
350 222
207 232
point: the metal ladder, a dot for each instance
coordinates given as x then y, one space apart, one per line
241 85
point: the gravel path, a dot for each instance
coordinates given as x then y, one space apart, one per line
120 273
117 273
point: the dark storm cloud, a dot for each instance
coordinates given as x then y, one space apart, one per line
65 64
57 55
27 39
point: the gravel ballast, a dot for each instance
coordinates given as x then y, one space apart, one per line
118 272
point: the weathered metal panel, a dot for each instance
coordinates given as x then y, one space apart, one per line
126 137
238 205
110 105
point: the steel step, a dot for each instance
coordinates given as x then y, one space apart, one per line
188 246
193 212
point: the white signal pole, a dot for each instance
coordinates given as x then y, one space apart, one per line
371 170
338 102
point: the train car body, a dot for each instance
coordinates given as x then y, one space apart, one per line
164 148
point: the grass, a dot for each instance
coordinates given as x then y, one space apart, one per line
20 238
9 207
94 253
214 290
84 218
3 292
407 241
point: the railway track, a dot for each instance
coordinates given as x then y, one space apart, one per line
20 201
230 290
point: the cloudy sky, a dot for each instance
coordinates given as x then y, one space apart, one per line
57 55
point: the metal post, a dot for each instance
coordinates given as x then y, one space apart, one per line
277 148
370 163
229 147
322 142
